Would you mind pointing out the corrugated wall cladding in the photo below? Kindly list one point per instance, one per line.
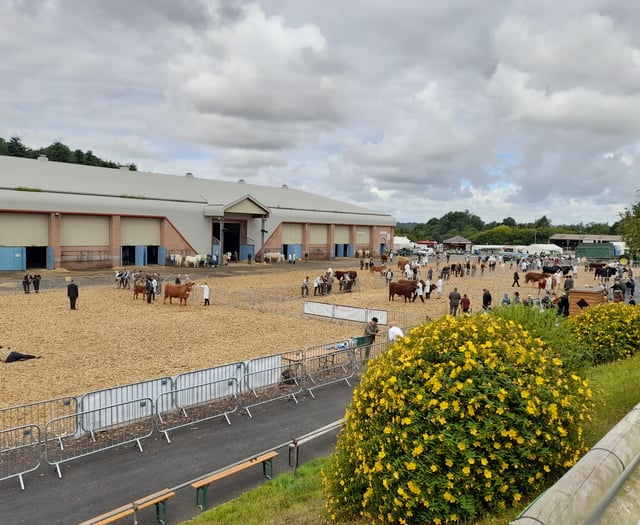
(136, 231)
(318, 234)
(292, 233)
(24, 229)
(85, 230)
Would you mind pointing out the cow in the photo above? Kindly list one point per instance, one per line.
(139, 288)
(555, 269)
(533, 277)
(407, 289)
(382, 269)
(272, 257)
(177, 259)
(402, 263)
(192, 260)
(384, 258)
(353, 274)
(181, 291)
(605, 273)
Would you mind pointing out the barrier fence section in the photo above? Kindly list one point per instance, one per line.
(332, 364)
(102, 428)
(20, 451)
(345, 313)
(123, 394)
(192, 404)
(37, 413)
(270, 378)
(211, 375)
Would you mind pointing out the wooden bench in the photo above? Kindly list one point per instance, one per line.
(202, 485)
(159, 499)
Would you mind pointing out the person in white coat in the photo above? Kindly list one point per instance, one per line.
(205, 294)
(439, 285)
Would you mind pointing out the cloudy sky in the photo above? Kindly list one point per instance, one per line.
(415, 108)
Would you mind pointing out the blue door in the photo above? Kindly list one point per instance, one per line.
(141, 256)
(13, 258)
(49, 257)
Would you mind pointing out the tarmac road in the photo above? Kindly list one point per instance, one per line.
(109, 479)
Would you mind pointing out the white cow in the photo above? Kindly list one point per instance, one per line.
(192, 260)
(177, 259)
(274, 257)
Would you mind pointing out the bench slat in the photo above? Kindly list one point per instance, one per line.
(111, 516)
(152, 499)
(237, 468)
(202, 485)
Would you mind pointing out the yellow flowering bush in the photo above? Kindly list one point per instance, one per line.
(461, 416)
(609, 331)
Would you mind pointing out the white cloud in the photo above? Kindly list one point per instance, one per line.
(513, 108)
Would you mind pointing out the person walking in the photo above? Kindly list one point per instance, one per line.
(305, 286)
(516, 279)
(465, 304)
(26, 283)
(439, 284)
(72, 294)
(454, 302)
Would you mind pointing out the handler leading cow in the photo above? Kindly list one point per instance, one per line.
(180, 291)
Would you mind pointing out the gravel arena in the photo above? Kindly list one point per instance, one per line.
(256, 310)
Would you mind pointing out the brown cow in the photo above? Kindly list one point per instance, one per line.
(181, 291)
(402, 263)
(384, 258)
(139, 288)
(533, 277)
(353, 275)
(407, 289)
(382, 269)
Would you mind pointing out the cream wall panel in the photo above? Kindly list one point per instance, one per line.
(341, 235)
(85, 230)
(291, 233)
(135, 231)
(363, 234)
(318, 234)
(24, 229)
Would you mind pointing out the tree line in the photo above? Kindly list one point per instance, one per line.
(507, 231)
(57, 152)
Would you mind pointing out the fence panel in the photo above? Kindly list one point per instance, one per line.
(362, 352)
(104, 428)
(267, 384)
(211, 375)
(20, 451)
(328, 364)
(195, 404)
(39, 413)
(124, 394)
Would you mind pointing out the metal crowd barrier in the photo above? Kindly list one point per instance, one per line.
(20, 451)
(99, 429)
(37, 413)
(194, 404)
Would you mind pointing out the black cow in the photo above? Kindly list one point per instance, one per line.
(555, 269)
(605, 273)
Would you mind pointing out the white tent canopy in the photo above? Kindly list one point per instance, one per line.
(403, 242)
(541, 248)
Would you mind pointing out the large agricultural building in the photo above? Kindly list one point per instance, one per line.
(59, 215)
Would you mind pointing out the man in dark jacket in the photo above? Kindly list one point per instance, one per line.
(72, 294)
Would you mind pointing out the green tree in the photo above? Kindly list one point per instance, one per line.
(630, 223)
(58, 152)
(16, 148)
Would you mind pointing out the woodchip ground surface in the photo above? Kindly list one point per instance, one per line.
(256, 310)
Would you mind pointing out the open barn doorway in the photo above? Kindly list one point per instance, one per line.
(231, 238)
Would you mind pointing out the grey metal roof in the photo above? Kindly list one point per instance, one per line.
(89, 181)
(585, 237)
